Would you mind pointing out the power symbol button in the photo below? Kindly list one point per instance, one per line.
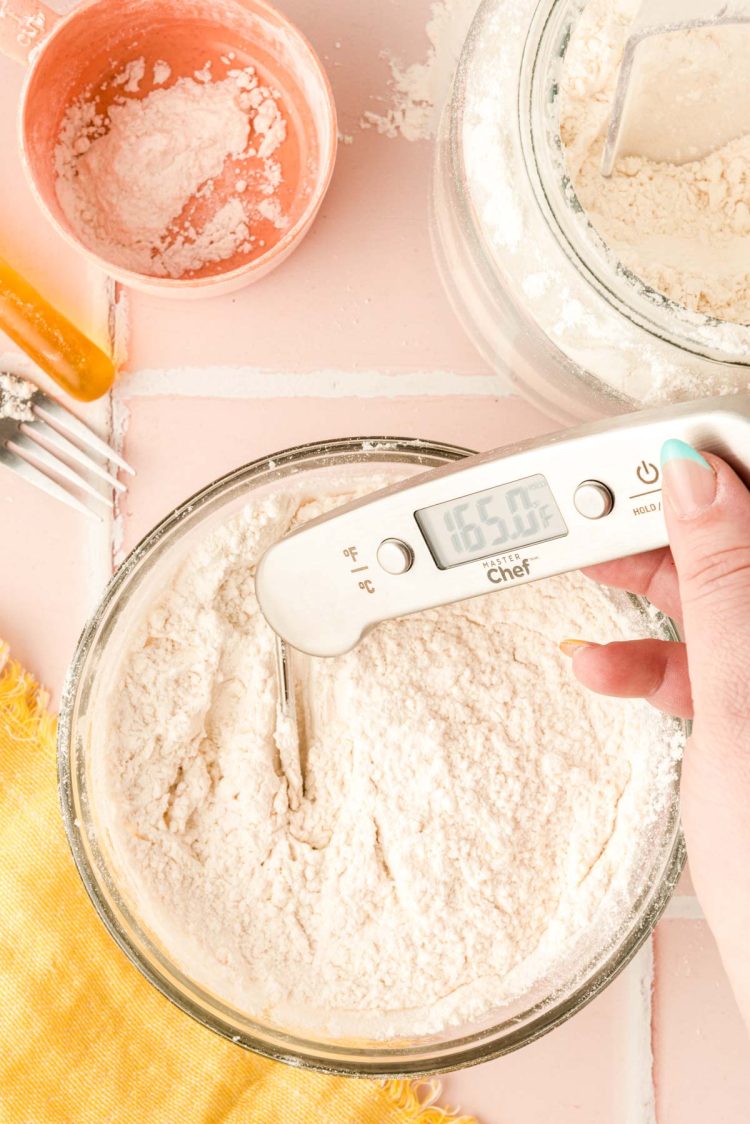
(647, 473)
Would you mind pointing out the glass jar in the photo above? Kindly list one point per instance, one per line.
(597, 958)
(541, 295)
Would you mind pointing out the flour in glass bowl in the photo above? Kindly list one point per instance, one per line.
(140, 181)
(464, 818)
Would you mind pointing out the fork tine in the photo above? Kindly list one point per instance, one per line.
(24, 441)
(40, 480)
(44, 404)
(68, 448)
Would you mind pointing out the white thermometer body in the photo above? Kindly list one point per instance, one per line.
(487, 523)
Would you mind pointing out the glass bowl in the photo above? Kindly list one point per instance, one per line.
(600, 957)
(542, 297)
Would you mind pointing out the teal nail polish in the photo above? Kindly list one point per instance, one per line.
(674, 450)
(689, 482)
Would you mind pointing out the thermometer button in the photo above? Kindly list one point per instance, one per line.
(395, 557)
(593, 499)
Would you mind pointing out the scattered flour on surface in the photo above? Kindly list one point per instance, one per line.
(16, 394)
(421, 88)
(127, 180)
(683, 228)
(464, 817)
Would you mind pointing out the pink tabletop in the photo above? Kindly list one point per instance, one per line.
(352, 335)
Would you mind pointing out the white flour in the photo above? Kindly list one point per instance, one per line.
(16, 395)
(137, 182)
(683, 228)
(419, 89)
(465, 813)
(553, 319)
(162, 72)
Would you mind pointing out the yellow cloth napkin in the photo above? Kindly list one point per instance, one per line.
(84, 1039)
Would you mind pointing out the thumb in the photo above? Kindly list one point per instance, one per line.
(707, 509)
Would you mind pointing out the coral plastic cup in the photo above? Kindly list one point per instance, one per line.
(84, 50)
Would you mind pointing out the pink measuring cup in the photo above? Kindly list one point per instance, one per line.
(82, 51)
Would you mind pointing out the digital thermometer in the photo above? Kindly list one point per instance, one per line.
(486, 523)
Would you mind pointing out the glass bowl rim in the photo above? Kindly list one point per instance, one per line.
(405, 1061)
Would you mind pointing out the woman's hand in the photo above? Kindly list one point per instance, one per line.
(704, 583)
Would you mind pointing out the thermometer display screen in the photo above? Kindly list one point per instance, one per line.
(505, 518)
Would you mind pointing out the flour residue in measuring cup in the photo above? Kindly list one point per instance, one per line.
(682, 228)
(149, 168)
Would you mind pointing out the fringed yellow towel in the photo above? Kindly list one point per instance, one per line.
(83, 1038)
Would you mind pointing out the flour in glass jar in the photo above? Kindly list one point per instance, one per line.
(683, 227)
(464, 818)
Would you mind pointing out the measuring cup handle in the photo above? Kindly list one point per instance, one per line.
(23, 26)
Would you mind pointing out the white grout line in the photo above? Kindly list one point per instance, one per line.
(640, 1094)
(120, 421)
(684, 908)
(98, 558)
(119, 326)
(640, 1091)
(254, 383)
(99, 415)
(97, 543)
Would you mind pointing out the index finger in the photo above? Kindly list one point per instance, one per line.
(652, 575)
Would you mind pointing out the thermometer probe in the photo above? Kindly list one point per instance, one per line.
(486, 523)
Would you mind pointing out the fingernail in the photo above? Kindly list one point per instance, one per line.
(570, 647)
(689, 480)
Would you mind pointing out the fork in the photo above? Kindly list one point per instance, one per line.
(39, 436)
